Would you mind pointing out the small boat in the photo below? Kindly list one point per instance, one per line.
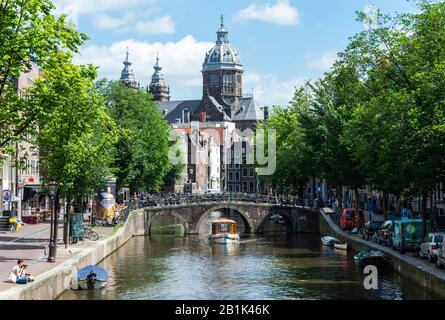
(368, 257)
(341, 246)
(224, 231)
(92, 278)
(329, 241)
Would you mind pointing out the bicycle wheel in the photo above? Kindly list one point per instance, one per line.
(94, 236)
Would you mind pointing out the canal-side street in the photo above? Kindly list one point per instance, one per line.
(30, 244)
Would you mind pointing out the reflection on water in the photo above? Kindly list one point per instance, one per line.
(280, 267)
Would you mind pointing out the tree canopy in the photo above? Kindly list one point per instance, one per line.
(141, 157)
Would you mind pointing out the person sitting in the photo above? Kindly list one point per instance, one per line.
(16, 274)
(91, 279)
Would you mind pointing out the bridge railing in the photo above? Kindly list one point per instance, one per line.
(174, 199)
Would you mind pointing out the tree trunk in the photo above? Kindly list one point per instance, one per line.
(340, 198)
(301, 192)
(314, 188)
(66, 223)
(423, 212)
(385, 206)
(357, 200)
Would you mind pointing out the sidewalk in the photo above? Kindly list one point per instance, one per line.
(420, 271)
(29, 244)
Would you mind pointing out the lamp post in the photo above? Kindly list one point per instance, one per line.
(54, 222)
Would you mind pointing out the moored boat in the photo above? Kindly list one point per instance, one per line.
(369, 257)
(341, 246)
(224, 231)
(92, 278)
(329, 241)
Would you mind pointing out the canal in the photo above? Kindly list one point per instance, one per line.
(273, 267)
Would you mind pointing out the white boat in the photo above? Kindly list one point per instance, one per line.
(341, 246)
(92, 278)
(94, 285)
(224, 231)
(329, 241)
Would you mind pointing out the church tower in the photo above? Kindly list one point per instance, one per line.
(222, 71)
(158, 88)
(127, 74)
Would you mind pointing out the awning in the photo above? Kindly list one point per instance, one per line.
(33, 187)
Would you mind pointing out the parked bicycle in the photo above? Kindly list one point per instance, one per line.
(89, 234)
(13, 225)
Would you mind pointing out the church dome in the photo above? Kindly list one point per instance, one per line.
(222, 55)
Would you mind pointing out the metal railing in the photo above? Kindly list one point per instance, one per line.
(175, 199)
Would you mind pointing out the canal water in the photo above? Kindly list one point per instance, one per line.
(274, 267)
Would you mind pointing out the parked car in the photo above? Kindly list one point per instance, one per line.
(440, 261)
(370, 228)
(350, 219)
(384, 233)
(428, 248)
(407, 234)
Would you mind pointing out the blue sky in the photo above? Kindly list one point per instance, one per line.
(281, 42)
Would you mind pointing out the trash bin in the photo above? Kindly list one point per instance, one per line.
(76, 227)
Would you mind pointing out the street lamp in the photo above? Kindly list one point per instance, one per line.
(52, 186)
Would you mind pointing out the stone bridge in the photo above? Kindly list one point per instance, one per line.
(254, 215)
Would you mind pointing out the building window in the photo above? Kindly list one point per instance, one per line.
(230, 176)
(237, 188)
(214, 79)
(237, 175)
(252, 186)
(252, 172)
(245, 186)
(228, 78)
(230, 188)
(244, 172)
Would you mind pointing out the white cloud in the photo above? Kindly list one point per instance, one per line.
(104, 21)
(164, 24)
(269, 89)
(181, 60)
(324, 61)
(282, 12)
(75, 8)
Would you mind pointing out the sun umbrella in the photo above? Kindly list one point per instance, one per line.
(101, 274)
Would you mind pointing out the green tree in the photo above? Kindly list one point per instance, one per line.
(29, 33)
(77, 137)
(141, 157)
(398, 125)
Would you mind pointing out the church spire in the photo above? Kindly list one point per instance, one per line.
(222, 33)
(158, 88)
(127, 74)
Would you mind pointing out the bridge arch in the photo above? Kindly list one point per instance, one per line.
(153, 216)
(243, 213)
(290, 222)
